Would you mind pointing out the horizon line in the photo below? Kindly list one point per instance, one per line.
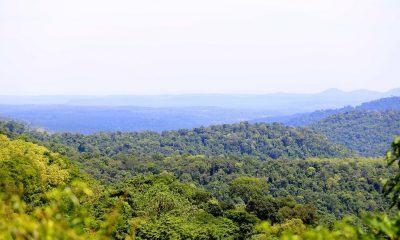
(195, 94)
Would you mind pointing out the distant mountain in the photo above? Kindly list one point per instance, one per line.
(85, 119)
(368, 132)
(281, 103)
(90, 119)
(303, 119)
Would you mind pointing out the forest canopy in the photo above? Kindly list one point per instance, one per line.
(184, 185)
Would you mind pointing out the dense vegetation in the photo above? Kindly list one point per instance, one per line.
(337, 187)
(304, 119)
(390, 103)
(368, 132)
(44, 197)
(366, 129)
(120, 186)
(263, 141)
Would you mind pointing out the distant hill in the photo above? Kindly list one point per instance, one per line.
(264, 141)
(381, 104)
(366, 129)
(90, 119)
(303, 119)
(368, 132)
(86, 119)
(281, 103)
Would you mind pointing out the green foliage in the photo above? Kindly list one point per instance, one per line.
(198, 227)
(307, 213)
(305, 119)
(28, 170)
(384, 226)
(248, 188)
(41, 195)
(163, 208)
(379, 226)
(264, 141)
(150, 207)
(12, 128)
(336, 187)
(292, 226)
(344, 229)
(265, 208)
(368, 132)
(182, 196)
(278, 210)
(392, 186)
(244, 220)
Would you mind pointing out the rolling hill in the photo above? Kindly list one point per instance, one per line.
(303, 119)
(263, 141)
(368, 132)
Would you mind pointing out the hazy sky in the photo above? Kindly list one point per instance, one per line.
(208, 46)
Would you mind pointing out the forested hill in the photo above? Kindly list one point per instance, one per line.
(367, 132)
(259, 140)
(366, 129)
(391, 103)
(303, 119)
(43, 196)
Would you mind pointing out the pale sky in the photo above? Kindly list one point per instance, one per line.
(98, 47)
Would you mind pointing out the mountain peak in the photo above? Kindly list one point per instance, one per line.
(332, 90)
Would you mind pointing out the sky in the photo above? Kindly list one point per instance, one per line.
(99, 47)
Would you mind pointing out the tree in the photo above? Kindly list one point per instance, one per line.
(248, 187)
(392, 186)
